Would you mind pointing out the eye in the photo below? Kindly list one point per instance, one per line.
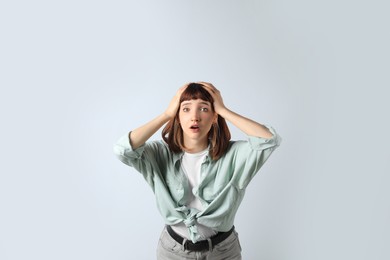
(204, 109)
(186, 109)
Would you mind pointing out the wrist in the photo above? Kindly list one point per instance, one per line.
(166, 116)
(222, 111)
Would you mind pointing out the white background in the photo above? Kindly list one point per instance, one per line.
(76, 75)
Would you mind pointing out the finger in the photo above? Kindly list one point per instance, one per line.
(184, 86)
(206, 84)
(210, 90)
(181, 90)
(209, 87)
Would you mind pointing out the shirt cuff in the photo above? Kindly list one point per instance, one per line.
(261, 143)
(123, 147)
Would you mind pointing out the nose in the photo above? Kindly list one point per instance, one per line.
(195, 116)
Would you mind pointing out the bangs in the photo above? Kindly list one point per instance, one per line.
(196, 91)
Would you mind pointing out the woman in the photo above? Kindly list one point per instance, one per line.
(197, 174)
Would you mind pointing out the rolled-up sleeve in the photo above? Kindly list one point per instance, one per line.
(250, 158)
(260, 143)
(125, 152)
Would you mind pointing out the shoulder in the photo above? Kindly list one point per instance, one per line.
(157, 146)
(237, 144)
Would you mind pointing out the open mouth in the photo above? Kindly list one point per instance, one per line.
(194, 127)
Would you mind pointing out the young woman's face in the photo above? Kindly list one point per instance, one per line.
(196, 118)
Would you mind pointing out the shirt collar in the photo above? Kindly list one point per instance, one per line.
(177, 157)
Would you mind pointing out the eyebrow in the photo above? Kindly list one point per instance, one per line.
(189, 102)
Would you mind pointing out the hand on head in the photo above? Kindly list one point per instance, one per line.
(216, 94)
(175, 102)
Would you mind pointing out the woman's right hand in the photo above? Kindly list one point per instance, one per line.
(175, 102)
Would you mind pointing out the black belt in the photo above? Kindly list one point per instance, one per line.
(200, 245)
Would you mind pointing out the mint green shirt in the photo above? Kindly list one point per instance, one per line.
(222, 182)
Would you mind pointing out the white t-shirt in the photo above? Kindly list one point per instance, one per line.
(191, 164)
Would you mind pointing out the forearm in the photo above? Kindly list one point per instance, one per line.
(140, 135)
(246, 125)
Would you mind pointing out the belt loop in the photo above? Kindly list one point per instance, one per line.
(184, 244)
(210, 244)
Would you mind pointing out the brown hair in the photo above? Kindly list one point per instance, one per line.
(219, 134)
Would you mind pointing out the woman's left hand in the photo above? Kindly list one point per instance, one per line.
(214, 92)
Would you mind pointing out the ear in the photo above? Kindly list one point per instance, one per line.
(215, 119)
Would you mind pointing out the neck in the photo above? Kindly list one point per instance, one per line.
(195, 147)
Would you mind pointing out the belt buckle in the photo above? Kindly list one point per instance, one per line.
(190, 246)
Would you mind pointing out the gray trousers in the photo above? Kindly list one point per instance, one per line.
(169, 249)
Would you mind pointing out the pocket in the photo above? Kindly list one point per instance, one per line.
(230, 244)
(168, 243)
